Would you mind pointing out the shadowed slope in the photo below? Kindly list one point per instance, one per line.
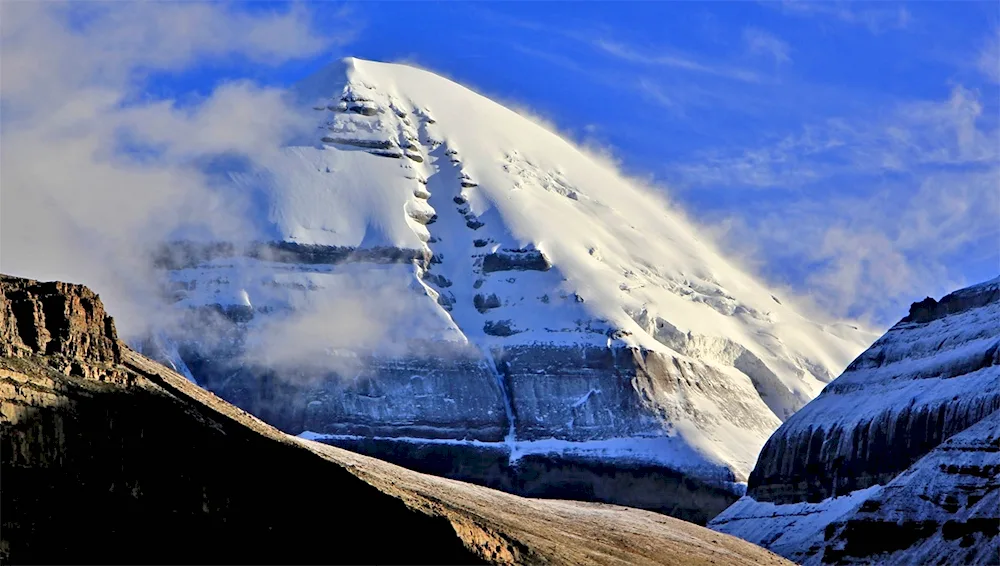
(108, 457)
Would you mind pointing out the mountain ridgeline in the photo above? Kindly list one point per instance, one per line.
(898, 460)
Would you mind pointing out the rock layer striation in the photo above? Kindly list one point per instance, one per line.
(896, 460)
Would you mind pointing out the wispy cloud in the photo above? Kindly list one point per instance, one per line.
(875, 210)
(597, 39)
(875, 17)
(914, 134)
(868, 256)
(554, 58)
(654, 92)
(93, 171)
(672, 60)
(760, 42)
(988, 62)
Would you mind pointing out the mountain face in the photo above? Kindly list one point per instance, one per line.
(110, 458)
(435, 279)
(898, 460)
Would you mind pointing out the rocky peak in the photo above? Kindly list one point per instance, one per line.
(64, 321)
(495, 237)
(960, 301)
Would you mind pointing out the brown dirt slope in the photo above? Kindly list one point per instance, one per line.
(108, 457)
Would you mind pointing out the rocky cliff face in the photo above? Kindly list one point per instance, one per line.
(63, 321)
(943, 509)
(906, 435)
(930, 376)
(108, 457)
(590, 429)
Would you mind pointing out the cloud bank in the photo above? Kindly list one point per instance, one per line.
(93, 170)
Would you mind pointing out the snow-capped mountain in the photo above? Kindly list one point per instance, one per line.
(898, 460)
(432, 267)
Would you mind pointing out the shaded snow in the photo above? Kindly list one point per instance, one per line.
(795, 530)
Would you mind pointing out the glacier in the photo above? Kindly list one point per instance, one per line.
(432, 276)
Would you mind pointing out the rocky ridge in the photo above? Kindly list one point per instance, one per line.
(896, 461)
(108, 457)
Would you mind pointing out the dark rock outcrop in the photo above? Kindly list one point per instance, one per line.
(64, 321)
(516, 260)
(484, 303)
(108, 457)
(503, 327)
(953, 303)
(105, 460)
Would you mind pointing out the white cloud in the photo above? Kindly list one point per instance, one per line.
(909, 242)
(673, 60)
(760, 42)
(989, 58)
(876, 210)
(876, 17)
(869, 257)
(91, 171)
(950, 132)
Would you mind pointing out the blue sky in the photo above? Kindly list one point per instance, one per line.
(849, 151)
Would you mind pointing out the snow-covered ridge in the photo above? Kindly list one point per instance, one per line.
(896, 461)
(945, 508)
(917, 385)
(597, 312)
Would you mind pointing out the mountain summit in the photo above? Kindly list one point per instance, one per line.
(432, 271)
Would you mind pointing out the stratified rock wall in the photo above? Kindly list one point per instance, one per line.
(932, 375)
(588, 394)
(896, 461)
(945, 509)
(56, 319)
(447, 392)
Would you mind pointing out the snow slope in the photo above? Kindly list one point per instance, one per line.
(793, 530)
(595, 311)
